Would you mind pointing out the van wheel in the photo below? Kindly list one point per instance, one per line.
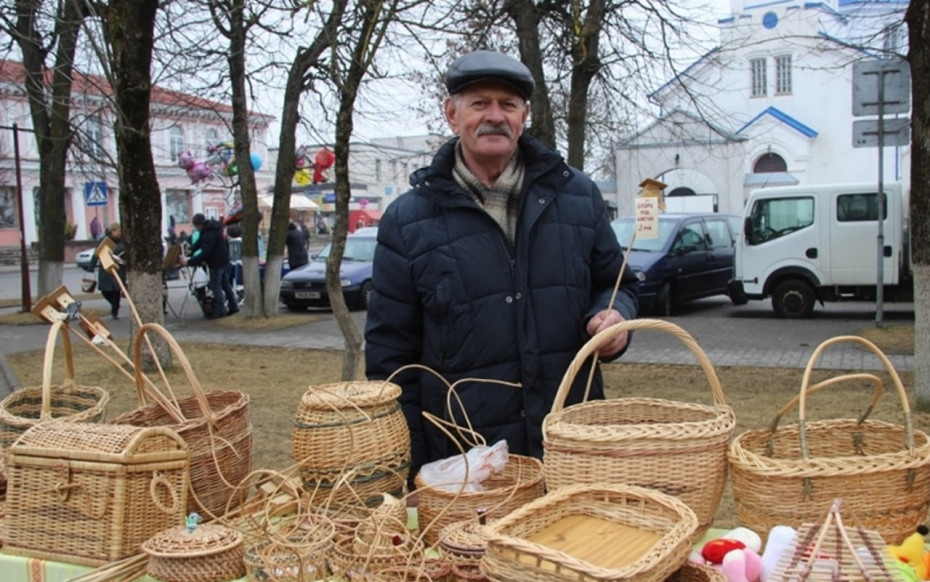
(366, 295)
(663, 306)
(793, 299)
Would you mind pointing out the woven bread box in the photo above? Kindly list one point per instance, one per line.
(352, 442)
(205, 553)
(92, 493)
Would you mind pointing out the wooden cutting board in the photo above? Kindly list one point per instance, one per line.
(597, 541)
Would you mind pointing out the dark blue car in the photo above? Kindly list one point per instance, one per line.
(306, 286)
(691, 258)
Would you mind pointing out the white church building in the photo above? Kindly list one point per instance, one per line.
(770, 105)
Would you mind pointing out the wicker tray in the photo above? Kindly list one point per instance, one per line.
(584, 533)
(205, 553)
(30, 405)
(674, 447)
(215, 425)
(788, 475)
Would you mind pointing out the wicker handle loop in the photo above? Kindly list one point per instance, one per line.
(889, 367)
(169, 404)
(606, 335)
(58, 327)
(865, 377)
(161, 480)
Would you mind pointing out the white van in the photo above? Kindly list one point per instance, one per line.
(802, 244)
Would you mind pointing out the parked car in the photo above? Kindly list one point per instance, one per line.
(306, 286)
(691, 258)
(83, 259)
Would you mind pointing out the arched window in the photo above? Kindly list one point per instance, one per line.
(211, 137)
(769, 163)
(681, 191)
(175, 142)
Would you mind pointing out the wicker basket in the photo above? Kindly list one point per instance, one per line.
(92, 493)
(298, 558)
(691, 572)
(31, 405)
(674, 447)
(788, 475)
(215, 425)
(588, 533)
(352, 442)
(463, 546)
(209, 553)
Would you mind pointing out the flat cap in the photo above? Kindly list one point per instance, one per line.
(482, 65)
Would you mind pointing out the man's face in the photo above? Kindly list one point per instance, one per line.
(489, 116)
(116, 233)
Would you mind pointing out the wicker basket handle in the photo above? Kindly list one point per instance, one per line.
(606, 335)
(889, 367)
(58, 327)
(879, 389)
(168, 403)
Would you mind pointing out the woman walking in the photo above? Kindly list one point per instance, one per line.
(107, 285)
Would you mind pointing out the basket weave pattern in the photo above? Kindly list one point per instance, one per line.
(31, 405)
(675, 447)
(512, 557)
(217, 430)
(92, 493)
(788, 475)
(352, 434)
(211, 553)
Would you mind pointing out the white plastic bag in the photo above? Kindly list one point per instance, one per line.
(449, 474)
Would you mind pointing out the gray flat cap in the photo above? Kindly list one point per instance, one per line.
(482, 65)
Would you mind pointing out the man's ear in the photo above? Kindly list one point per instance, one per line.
(449, 109)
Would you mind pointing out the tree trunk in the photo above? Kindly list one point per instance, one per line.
(526, 16)
(50, 109)
(918, 22)
(586, 63)
(130, 26)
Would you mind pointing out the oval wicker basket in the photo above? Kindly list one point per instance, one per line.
(351, 441)
(209, 553)
(691, 572)
(790, 475)
(30, 405)
(674, 447)
(215, 426)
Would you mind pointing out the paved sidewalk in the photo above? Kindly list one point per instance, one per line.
(729, 335)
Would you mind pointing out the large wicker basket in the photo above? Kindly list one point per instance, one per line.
(215, 426)
(788, 475)
(351, 442)
(68, 401)
(675, 447)
(591, 533)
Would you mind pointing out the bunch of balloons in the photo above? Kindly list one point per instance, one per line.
(220, 161)
(322, 161)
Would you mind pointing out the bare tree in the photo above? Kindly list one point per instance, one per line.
(44, 31)
(918, 23)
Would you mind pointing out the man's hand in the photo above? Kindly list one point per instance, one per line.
(602, 321)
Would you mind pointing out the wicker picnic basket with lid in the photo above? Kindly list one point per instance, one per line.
(675, 447)
(31, 405)
(591, 533)
(351, 441)
(787, 475)
(205, 553)
(92, 493)
(214, 424)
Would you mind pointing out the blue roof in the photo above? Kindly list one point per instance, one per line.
(783, 118)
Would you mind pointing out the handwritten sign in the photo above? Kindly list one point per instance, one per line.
(647, 217)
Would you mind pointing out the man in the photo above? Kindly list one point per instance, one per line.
(297, 255)
(214, 253)
(498, 264)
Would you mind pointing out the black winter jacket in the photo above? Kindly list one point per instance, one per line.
(450, 294)
(214, 251)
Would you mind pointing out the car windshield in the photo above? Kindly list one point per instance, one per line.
(623, 227)
(357, 249)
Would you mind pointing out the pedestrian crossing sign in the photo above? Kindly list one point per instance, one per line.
(95, 193)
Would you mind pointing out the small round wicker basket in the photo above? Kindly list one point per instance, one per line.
(209, 553)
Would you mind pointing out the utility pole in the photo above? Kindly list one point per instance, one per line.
(24, 256)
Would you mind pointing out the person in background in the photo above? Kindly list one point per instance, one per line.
(210, 249)
(499, 264)
(305, 231)
(107, 285)
(95, 228)
(296, 247)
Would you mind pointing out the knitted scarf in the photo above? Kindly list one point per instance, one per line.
(501, 201)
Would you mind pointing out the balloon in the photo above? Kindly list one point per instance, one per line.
(324, 159)
(302, 177)
(256, 161)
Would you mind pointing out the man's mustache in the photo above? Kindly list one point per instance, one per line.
(492, 129)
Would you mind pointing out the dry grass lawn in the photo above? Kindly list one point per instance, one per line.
(275, 378)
